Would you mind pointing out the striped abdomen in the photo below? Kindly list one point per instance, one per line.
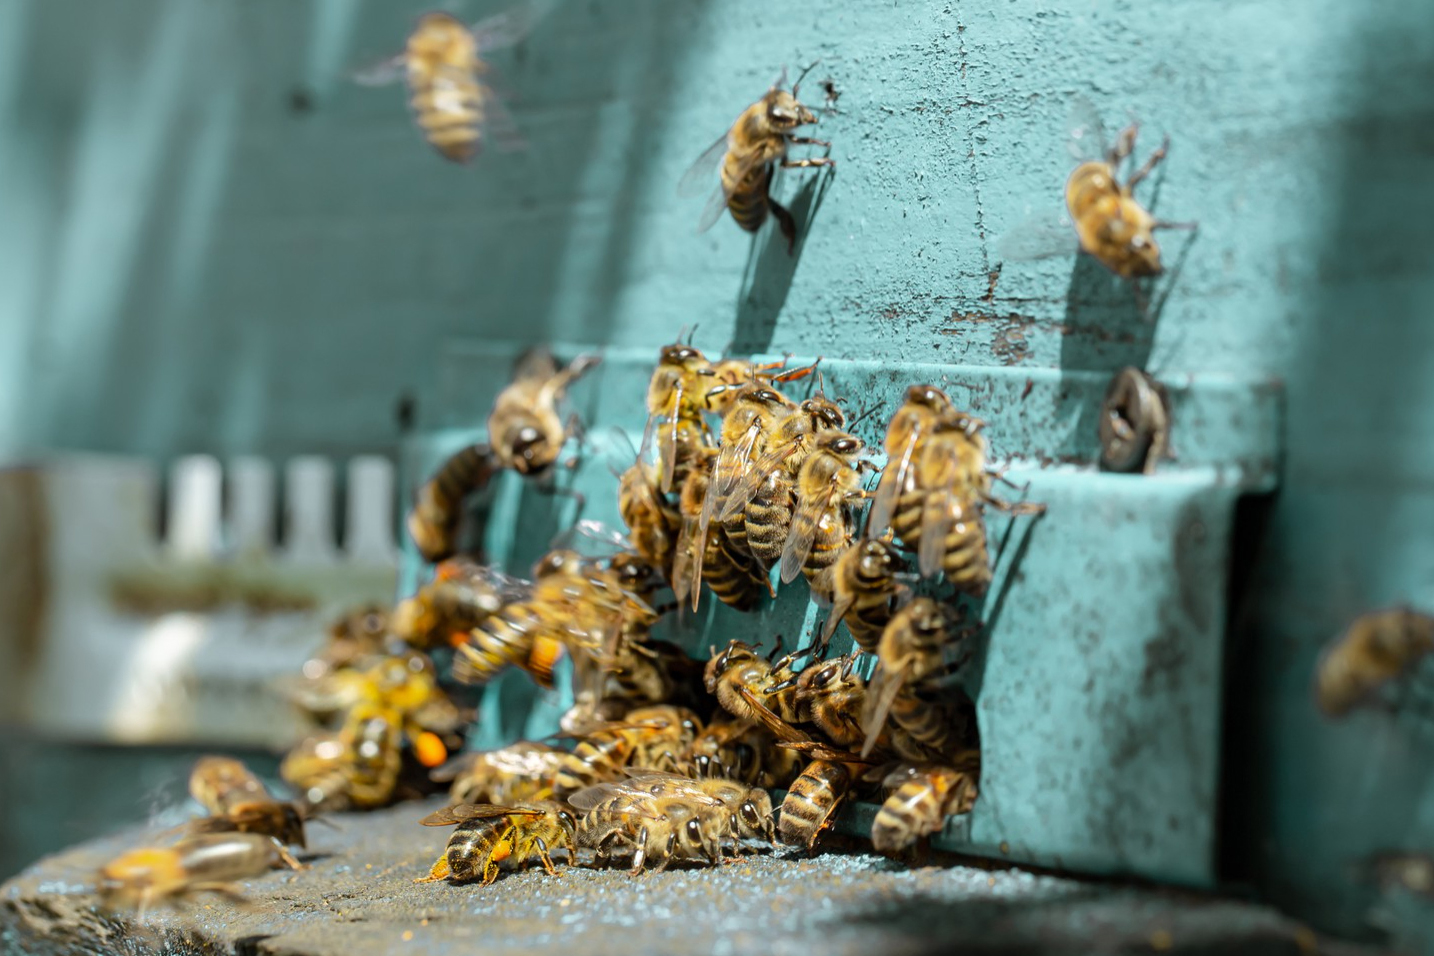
(433, 522)
(372, 740)
(732, 576)
(475, 843)
(811, 801)
(748, 202)
(920, 806)
(964, 559)
(832, 539)
(868, 616)
(596, 758)
(768, 519)
(504, 640)
(447, 100)
(929, 727)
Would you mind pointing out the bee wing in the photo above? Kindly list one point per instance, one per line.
(1085, 133)
(746, 489)
(380, 72)
(511, 26)
(888, 490)
(667, 454)
(683, 561)
(938, 516)
(901, 774)
(803, 534)
(695, 180)
(778, 727)
(840, 605)
(687, 785)
(716, 205)
(448, 816)
(881, 693)
(589, 798)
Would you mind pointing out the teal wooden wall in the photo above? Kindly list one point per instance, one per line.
(211, 240)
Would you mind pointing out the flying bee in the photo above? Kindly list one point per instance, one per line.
(924, 643)
(923, 797)
(661, 828)
(488, 835)
(204, 863)
(433, 523)
(865, 588)
(524, 632)
(443, 66)
(828, 487)
(749, 153)
(522, 772)
(238, 801)
(676, 397)
(525, 426)
(653, 738)
(1375, 649)
(735, 578)
(749, 809)
(921, 408)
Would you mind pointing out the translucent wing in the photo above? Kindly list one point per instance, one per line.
(616, 800)
(716, 205)
(840, 606)
(888, 490)
(803, 533)
(728, 470)
(380, 72)
(1085, 133)
(881, 693)
(747, 488)
(512, 25)
(695, 181)
(778, 727)
(939, 513)
(667, 452)
(498, 124)
(448, 816)
(683, 561)
(656, 782)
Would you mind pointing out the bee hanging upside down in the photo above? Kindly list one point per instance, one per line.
(749, 154)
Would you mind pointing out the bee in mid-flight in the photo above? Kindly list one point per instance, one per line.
(206, 863)
(437, 514)
(749, 153)
(488, 835)
(443, 66)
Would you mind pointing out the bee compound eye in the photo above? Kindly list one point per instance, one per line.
(694, 832)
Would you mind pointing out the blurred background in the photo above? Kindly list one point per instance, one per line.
(228, 275)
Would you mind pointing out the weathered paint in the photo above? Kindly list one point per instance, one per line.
(192, 261)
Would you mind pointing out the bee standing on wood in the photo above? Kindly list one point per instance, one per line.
(749, 153)
(443, 66)
(489, 834)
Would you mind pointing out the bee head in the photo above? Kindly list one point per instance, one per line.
(927, 395)
(785, 111)
(679, 354)
(827, 414)
(877, 558)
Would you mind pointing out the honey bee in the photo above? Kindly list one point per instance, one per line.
(238, 801)
(651, 520)
(462, 595)
(832, 696)
(525, 427)
(518, 773)
(522, 632)
(1372, 651)
(488, 835)
(749, 152)
(442, 64)
(653, 738)
(749, 809)
(672, 826)
(438, 510)
(1110, 223)
(735, 578)
(764, 500)
(923, 797)
(205, 863)
(922, 407)
(739, 671)
(676, 397)
(742, 751)
(828, 487)
(913, 652)
(352, 637)
(865, 588)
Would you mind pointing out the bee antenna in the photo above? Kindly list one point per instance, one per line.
(776, 649)
(864, 414)
(692, 333)
(803, 75)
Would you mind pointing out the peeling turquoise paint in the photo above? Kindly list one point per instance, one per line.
(190, 260)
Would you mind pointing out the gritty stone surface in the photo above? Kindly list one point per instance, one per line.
(358, 897)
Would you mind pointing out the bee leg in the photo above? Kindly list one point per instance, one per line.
(490, 871)
(440, 871)
(1167, 224)
(288, 858)
(807, 141)
(544, 857)
(809, 163)
(1154, 160)
(639, 856)
(785, 222)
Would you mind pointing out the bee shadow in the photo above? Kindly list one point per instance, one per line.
(770, 268)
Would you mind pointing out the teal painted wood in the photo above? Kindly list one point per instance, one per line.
(191, 260)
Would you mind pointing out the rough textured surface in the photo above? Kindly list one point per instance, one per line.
(359, 898)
